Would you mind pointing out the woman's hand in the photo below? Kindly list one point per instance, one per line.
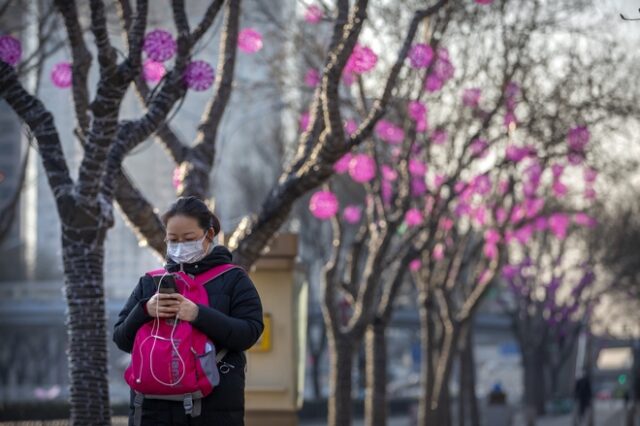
(187, 310)
(163, 305)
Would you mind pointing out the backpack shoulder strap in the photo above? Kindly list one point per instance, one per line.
(155, 272)
(214, 272)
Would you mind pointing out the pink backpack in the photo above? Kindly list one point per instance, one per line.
(172, 360)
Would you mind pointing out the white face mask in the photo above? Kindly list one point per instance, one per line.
(187, 252)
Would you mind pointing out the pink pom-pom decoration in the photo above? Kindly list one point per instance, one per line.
(323, 205)
(471, 97)
(350, 126)
(352, 214)
(198, 75)
(249, 40)
(389, 132)
(10, 50)
(417, 110)
(362, 168)
(558, 224)
(159, 45)
(362, 59)
(311, 78)
(153, 71)
(415, 265)
(62, 75)
(479, 147)
(417, 167)
(388, 173)
(305, 118)
(313, 14)
(413, 217)
(578, 138)
(342, 165)
(420, 55)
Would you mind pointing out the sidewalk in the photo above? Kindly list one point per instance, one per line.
(606, 414)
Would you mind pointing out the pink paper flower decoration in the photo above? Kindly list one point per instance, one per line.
(559, 189)
(557, 170)
(417, 167)
(389, 132)
(439, 137)
(177, 179)
(415, 265)
(584, 219)
(490, 250)
(418, 187)
(10, 50)
(479, 147)
(362, 59)
(342, 165)
(198, 75)
(471, 97)
(62, 75)
(417, 110)
(387, 192)
(438, 180)
(420, 55)
(558, 224)
(249, 40)
(446, 224)
(312, 78)
(578, 138)
(515, 153)
(313, 14)
(347, 77)
(323, 205)
(438, 251)
(352, 214)
(305, 118)
(153, 71)
(433, 83)
(388, 173)
(413, 217)
(350, 126)
(590, 175)
(159, 45)
(362, 168)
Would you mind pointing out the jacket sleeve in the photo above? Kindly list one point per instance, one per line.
(131, 318)
(239, 330)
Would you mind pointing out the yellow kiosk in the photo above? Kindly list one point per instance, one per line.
(275, 375)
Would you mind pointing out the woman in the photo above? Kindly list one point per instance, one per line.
(233, 319)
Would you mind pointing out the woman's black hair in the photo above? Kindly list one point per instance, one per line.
(195, 208)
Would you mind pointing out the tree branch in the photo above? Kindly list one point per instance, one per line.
(40, 121)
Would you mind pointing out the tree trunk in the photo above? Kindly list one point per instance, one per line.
(341, 352)
(86, 320)
(534, 384)
(427, 330)
(468, 408)
(375, 405)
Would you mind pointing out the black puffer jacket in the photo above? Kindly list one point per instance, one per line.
(233, 320)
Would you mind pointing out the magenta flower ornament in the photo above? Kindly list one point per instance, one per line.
(362, 168)
(159, 45)
(250, 40)
(62, 75)
(198, 75)
(153, 71)
(420, 55)
(10, 50)
(323, 205)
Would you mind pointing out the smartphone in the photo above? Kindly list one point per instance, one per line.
(166, 283)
